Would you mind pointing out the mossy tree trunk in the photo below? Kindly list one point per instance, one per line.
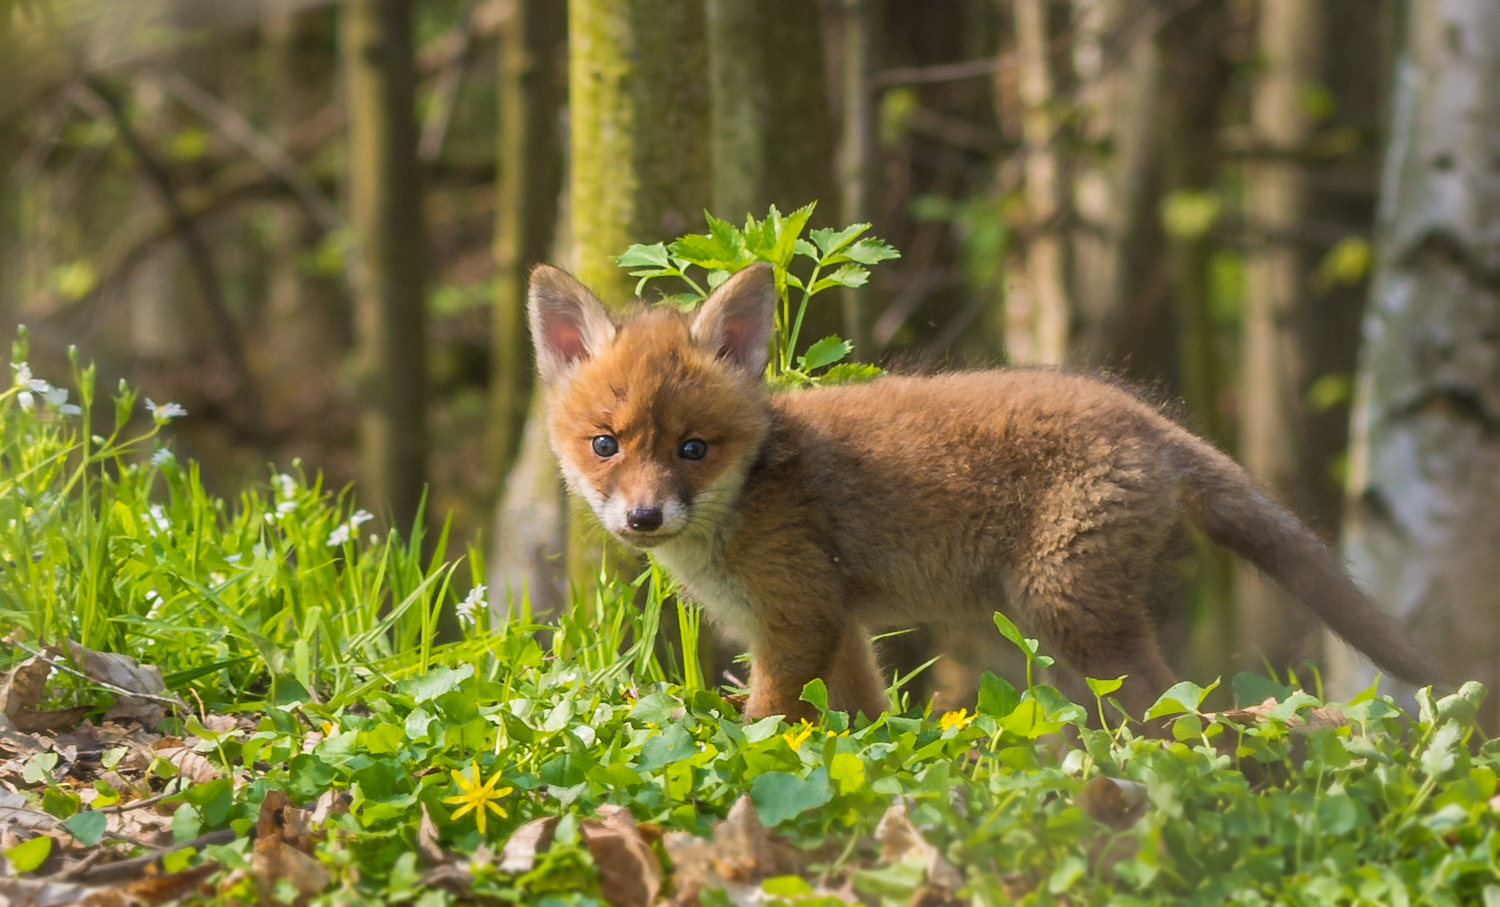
(385, 208)
(1422, 531)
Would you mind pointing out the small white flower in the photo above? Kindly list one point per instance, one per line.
(469, 607)
(286, 486)
(162, 457)
(286, 507)
(339, 536)
(165, 412)
(159, 517)
(272, 517)
(28, 402)
(374, 539)
(155, 599)
(232, 558)
(25, 381)
(359, 518)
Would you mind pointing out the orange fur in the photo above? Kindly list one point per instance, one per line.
(819, 515)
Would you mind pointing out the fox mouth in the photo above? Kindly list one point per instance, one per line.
(638, 539)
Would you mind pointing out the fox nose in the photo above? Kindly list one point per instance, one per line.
(644, 519)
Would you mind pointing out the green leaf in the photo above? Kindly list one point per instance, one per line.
(1102, 688)
(1253, 689)
(997, 698)
(786, 886)
(846, 276)
(1440, 756)
(87, 826)
(1184, 696)
(436, 682)
(850, 373)
(779, 796)
(848, 770)
(28, 855)
(656, 708)
(707, 252)
(871, 251)
(672, 744)
(186, 823)
(1010, 632)
(825, 352)
(816, 692)
(641, 256)
(831, 241)
(788, 230)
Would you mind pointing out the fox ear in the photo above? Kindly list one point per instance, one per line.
(736, 321)
(568, 323)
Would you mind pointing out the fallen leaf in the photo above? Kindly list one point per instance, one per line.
(899, 840)
(1116, 803)
(172, 886)
(123, 673)
(629, 874)
(26, 686)
(39, 893)
(525, 843)
(742, 853)
(189, 764)
(274, 861)
(16, 815)
(428, 847)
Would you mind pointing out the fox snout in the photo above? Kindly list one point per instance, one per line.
(644, 521)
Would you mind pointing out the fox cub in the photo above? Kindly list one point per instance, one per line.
(804, 520)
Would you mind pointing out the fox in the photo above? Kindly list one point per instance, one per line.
(803, 521)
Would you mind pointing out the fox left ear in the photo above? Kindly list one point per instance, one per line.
(568, 323)
(736, 321)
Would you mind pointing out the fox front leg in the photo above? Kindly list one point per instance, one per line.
(785, 661)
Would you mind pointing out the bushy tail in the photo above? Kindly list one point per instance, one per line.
(1229, 506)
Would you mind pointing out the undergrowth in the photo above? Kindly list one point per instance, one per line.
(281, 611)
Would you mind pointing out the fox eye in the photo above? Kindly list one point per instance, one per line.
(605, 446)
(693, 449)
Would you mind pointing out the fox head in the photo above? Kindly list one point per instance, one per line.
(656, 417)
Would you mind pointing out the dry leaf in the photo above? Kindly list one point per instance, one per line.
(741, 854)
(189, 764)
(16, 815)
(525, 843)
(1116, 803)
(274, 861)
(899, 839)
(123, 673)
(24, 687)
(629, 874)
(37, 893)
(173, 886)
(1324, 716)
(428, 847)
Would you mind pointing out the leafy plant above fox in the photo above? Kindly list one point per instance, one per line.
(840, 258)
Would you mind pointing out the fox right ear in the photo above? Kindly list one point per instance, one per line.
(737, 319)
(568, 323)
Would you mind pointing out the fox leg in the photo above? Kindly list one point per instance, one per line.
(786, 660)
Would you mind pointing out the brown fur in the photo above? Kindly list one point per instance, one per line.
(820, 515)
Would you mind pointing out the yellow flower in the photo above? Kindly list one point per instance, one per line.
(959, 719)
(476, 797)
(795, 738)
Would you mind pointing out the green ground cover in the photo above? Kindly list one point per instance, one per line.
(309, 740)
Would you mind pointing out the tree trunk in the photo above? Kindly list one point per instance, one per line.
(1046, 285)
(639, 114)
(385, 208)
(1275, 365)
(1423, 527)
(638, 107)
(1123, 320)
(533, 49)
(857, 146)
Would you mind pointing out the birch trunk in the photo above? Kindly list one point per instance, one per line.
(385, 208)
(1274, 426)
(1423, 528)
(856, 145)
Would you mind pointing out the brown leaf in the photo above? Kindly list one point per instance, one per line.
(40, 893)
(123, 673)
(189, 764)
(1116, 803)
(24, 687)
(172, 886)
(741, 854)
(629, 874)
(525, 843)
(15, 814)
(274, 860)
(899, 840)
(428, 848)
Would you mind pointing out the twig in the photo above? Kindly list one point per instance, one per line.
(169, 700)
(138, 804)
(128, 869)
(198, 253)
(445, 90)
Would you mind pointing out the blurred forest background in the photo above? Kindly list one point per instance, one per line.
(310, 223)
